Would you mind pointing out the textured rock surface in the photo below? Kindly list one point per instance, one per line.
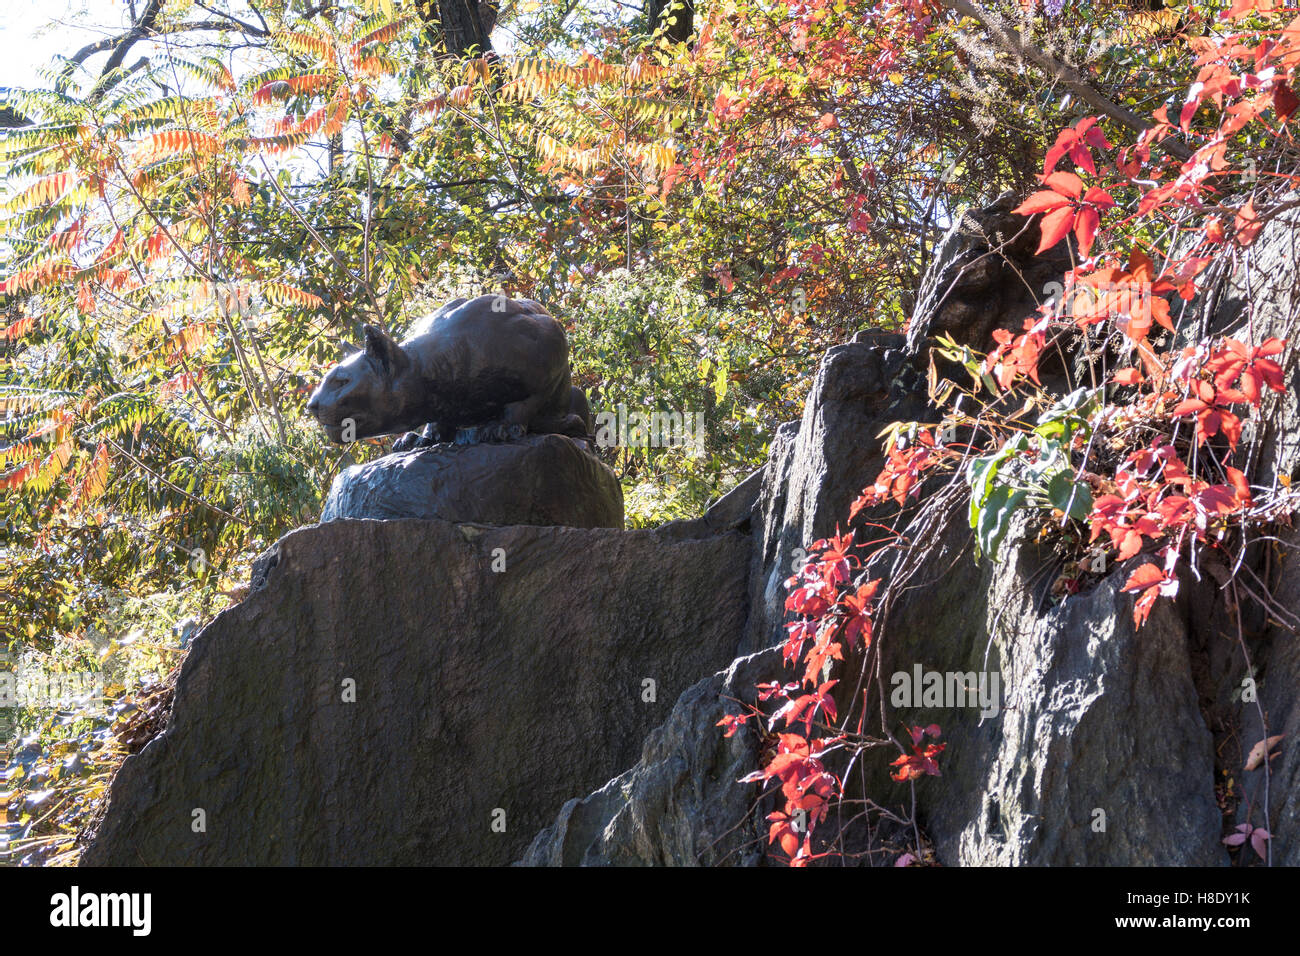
(818, 466)
(1277, 662)
(984, 276)
(679, 806)
(1082, 690)
(1259, 298)
(475, 691)
(538, 480)
(1071, 742)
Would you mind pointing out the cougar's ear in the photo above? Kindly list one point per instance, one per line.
(384, 350)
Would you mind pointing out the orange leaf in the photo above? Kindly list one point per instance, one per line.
(1247, 223)
(1144, 577)
(1043, 201)
(1055, 226)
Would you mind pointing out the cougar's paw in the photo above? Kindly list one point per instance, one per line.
(407, 442)
(575, 426)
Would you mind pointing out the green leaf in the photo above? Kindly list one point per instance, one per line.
(1075, 499)
(995, 518)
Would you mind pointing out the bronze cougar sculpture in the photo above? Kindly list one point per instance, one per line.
(485, 369)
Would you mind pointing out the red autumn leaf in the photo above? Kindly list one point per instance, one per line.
(1144, 577)
(819, 655)
(858, 606)
(1042, 201)
(1230, 426)
(1067, 184)
(782, 830)
(920, 733)
(1247, 223)
(1244, 8)
(1075, 142)
(1143, 605)
(1104, 512)
(1240, 486)
(1127, 541)
(1174, 509)
(733, 722)
(922, 760)
(1153, 582)
(806, 706)
(1061, 213)
(1285, 101)
(1085, 227)
(1098, 197)
(1235, 363)
(1016, 355)
(1056, 225)
(809, 600)
(1128, 376)
(1216, 500)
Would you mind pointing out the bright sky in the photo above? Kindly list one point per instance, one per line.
(34, 31)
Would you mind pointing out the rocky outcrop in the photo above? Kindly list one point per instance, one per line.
(1062, 769)
(818, 466)
(1069, 750)
(418, 692)
(538, 480)
(519, 695)
(1257, 296)
(1107, 745)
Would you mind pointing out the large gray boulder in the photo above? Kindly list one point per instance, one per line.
(496, 672)
(539, 480)
(1095, 751)
(1075, 733)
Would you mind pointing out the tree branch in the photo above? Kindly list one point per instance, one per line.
(147, 27)
(1013, 41)
(243, 27)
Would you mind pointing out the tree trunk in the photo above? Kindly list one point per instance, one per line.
(681, 12)
(463, 25)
